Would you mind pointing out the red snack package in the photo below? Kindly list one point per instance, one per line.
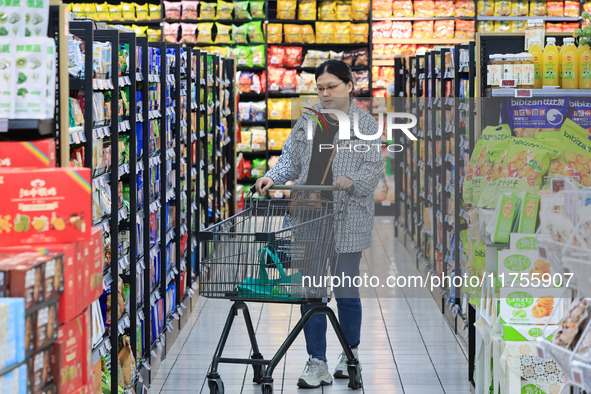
(290, 81)
(276, 55)
(293, 57)
(275, 78)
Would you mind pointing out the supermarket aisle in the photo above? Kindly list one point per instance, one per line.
(406, 346)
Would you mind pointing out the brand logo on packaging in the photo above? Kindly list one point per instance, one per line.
(528, 243)
(517, 262)
(317, 118)
(554, 117)
(38, 189)
(535, 332)
(479, 253)
(519, 300)
(5, 162)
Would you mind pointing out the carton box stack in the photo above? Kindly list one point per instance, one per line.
(51, 267)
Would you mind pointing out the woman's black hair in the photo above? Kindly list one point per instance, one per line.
(338, 68)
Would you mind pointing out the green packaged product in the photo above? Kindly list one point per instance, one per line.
(240, 34)
(255, 32)
(241, 10)
(258, 56)
(257, 9)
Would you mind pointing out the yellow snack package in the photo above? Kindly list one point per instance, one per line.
(155, 11)
(128, 11)
(292, 33)
(341, 32)
(308, 34)
(223, 34)
(286, 9)
(486, 26)
(520, 8)
(225, 10)
(360, 10)
(359, 33)
(327, 10)
(154, 34)
(307, 10)
(142, 12)
(538, 8)
(343, 11)
(503, 7)
(485, 7)
(274, 33)
(502, 26)
(207, 10)
(115, 13)
(325, 33)
(204, 35)
(277, 108)
(89, 11)
(102, 12)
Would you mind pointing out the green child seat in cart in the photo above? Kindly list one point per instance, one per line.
(287, 287)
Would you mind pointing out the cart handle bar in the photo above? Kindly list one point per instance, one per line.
(319, 188)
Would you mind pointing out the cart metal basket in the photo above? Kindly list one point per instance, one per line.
(274, 251)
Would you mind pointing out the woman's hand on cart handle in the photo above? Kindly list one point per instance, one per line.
(263, 184)
(343, 183)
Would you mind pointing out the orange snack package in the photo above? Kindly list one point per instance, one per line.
(424, 8)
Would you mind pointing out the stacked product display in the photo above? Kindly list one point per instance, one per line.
(104, 250)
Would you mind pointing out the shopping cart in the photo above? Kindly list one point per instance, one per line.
(274, 251)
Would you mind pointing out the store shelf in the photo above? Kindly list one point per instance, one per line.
(383, 62)
(142, 23)
(299, 21)
(525, 18)
(426, 41)
(524, 93)
(41, 126)
(432, 18)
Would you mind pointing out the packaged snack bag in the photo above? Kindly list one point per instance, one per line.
(424, 8)
(520, 8)
(325, 33)
(381, 8)
(286, 9)
(255, 32)
(580, 112)
(276, 109)
(571, 9)
(292, 33)
(402, 29)
(306, 82)
(503, 7)
(224, 10)
(293, 57)
(361, 80)
(116, 15)
(188, 33)
(359, 33)
(444, 29)
(308, 34)
(155, 11)
(382, 29)
(207, 10)
(531, 305)
(486, 26)
(570, 27)
(102, 12)
(223, 34)
(153, 34)
(171, 32)
(556, 8)
(361, 57)
(464, 29)
(503, 26)
(327, 10)
(553, 27)
(190, 10)
(444, 8)
(343, 11)
(259, 139)
(276, 55)
(258, 56)
(307, 10)
(527, 116)
(274, 33)
(423, 29)
(575, 159)
(257, 9)
(243, 56)
(538, 8)
(502, 220)
(241, 10)
(360, 10)
(485, 7)
(465, 8)
(172, 9)
(528, 213)
(290, 81)
(275, 77)
(204, 35)
(245, 134)
(341, 32)
(240, 34)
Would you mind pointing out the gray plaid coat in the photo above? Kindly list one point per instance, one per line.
(353, 233)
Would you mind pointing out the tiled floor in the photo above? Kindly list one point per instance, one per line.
(406, 346)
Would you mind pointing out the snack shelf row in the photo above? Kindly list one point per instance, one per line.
(436, 88)
(165, 169)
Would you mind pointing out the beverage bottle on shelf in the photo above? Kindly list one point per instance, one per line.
(528, 73)
(584, 67)
(551, 67)
(508, 66)
(494, 71)
(569, 64)
(538, 57)
(518, 70)
(534, 31)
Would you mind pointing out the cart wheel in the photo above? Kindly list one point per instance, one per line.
(216, 386)
(267, 388)
(354, 377)
(258, 373)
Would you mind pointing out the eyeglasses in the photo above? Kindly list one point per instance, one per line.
(330, 88)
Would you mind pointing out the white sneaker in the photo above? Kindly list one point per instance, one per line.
(315, 374)
(341, 371)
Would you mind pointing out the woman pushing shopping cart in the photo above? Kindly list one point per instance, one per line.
(273, 250)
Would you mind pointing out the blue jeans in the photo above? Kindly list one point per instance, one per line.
(349, 310)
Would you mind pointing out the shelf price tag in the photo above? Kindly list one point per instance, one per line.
(521, 93)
